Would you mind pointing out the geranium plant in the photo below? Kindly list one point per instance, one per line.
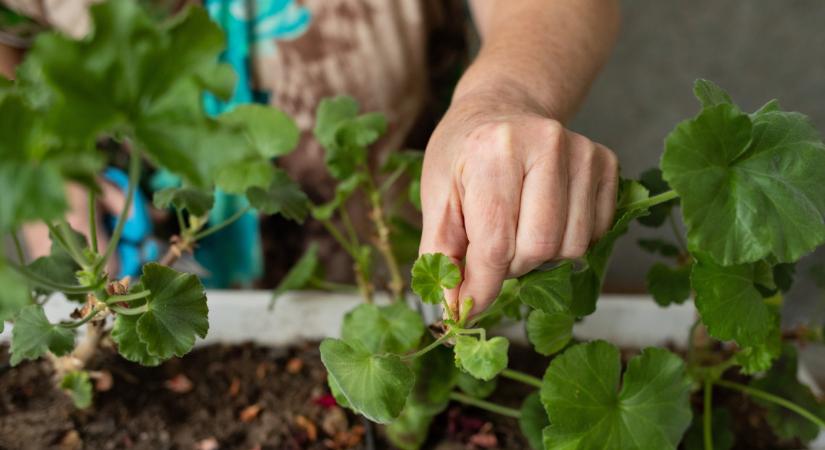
(138, 84)
(749, 187)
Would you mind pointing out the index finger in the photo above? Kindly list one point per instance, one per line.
(491, 208)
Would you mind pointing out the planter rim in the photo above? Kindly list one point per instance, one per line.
(237, 316)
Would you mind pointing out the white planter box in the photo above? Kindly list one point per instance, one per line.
(242, 316)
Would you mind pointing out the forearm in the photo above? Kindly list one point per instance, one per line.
(540, 54)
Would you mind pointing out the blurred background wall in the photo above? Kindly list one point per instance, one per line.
(755, 49)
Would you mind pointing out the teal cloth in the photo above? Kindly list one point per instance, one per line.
(233, 255)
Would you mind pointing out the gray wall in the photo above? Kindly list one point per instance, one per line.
(756, 49)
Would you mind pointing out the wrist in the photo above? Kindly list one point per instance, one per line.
(501, 92)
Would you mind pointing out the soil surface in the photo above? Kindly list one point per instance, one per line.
(217, 397)
(256, 398)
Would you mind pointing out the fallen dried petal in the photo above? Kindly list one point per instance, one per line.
(103, 380)
(334, 421)
(294, 365)
(209, 443)
(235, 387)
(308, 426)
(249, 413)
(179, 384)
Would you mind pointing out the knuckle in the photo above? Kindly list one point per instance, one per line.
(538, 251)
(553, 131)
(611, 161)
(498, 252)
(575, 249)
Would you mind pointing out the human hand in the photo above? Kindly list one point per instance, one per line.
(506, 189)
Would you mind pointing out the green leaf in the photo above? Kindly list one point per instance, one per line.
(344, 135)
(435, 376)
(760, 357)
(33, 336)
(652, 180)
(30, 192)
(750, 187)
(660, 246)
(125, 334)
(668, 285)
(630, 192)
(710, 94)
(375, 386)
(721, 427)
(331, 114)
(59, 266)
(587, 282)
(14, 293)
(387, 329)
(475, 387)
(549, 333)
(481, 359)
(431, 274)
(283, 196)
(549, 291)
(782, 381)
(240, 176)
(197, 201)
(730, 305)
(77, 384)
(533, 420)
(271, 132)
(410, 430)
(300, 274)
(176, 314)
(589, 407)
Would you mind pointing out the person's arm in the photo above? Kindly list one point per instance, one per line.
(505, 186)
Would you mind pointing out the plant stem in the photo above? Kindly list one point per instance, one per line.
(391, 179)
(479, 331)
(707, 423)
(360, 275)
(758, 393)
(521, 377)
(129, 311)
(652, 201)
(21, 258)
(426, 349)
(128, 297)
(181, 222)
(80, 322)
(679, 238)
(336, 234)
(18, 247)
(383, 244)
(215, 228)
(92, 221)
(489, 406)
(353, 236)
(134, 172)
(692, 341)
(48, 284)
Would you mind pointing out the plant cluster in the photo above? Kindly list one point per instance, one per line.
(138, 84)
(749, 189)
(748, 186)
